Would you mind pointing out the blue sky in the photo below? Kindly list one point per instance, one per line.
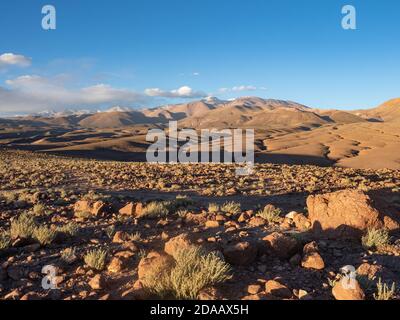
(113, 52)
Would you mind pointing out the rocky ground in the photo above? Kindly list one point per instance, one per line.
(115, 230)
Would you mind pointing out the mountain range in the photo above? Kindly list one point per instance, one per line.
(285, 131)
(249, 112)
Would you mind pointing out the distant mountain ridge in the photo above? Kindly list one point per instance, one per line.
(211, 112)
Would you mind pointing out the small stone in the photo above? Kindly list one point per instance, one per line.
(277, 289)
(254, 288)
(212, 224)
(311, 257)
(121, 237)
(348, 290)
(97, 282)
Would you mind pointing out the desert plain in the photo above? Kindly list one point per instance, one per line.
(84, 216)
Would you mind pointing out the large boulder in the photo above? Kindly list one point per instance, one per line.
(343, 214)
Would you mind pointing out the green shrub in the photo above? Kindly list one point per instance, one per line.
(23, 227)
(96, 259)
(383, 291)
(155, 210)
(270, 213)
(213, 208)
(194, 270)
(5, 239)
(231, 207)
(39, 209)
(69, 255)
(375, 238)
(71, 228)
(44, 235)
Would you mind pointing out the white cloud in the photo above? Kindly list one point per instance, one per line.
(11, 59)
(182, 92)
(241, 88)
(31, 93)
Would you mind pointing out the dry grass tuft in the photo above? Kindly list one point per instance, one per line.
(194, 270)
(96, 259)
(375, 238)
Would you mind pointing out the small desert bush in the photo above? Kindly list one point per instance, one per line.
(182, 201)
(231, 207)
(155, 210)
(270, 213)
(71, 228)
(96, 259)
(110, 231)
(213, 208)
(44, 235)
(194, 270)
(375, 238)
(136, 236)
(83, 214)
(39, 209)
(5, 239)
(23, 226)
(182, 213)
(383, 292)
(68, 255)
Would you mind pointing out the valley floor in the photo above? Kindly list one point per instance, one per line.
(71, 207)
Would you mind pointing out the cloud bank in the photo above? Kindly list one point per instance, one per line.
(33, 93)
(11, 59)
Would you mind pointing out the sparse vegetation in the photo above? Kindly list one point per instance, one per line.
(270, 214)
(193, 271)
(71, 228)
(5, 239)
(231, 207)
(383, 292)
(136, 236)
(68, 255)
(110, 231)
(96, 259)
(44, 235)
(213, 208)
(39, 209)
(23, 227)
(155, 210)
(375, 238)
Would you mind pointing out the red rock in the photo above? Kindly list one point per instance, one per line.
(97, 282)
(257, 222)
(277, 289)
(128, 210)
(121, 237)
(342, 214)
(242, 253)
(311, 257)
(174, 245)
(347, 291)
(94, 208)
(280, 245)
(212, 224)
